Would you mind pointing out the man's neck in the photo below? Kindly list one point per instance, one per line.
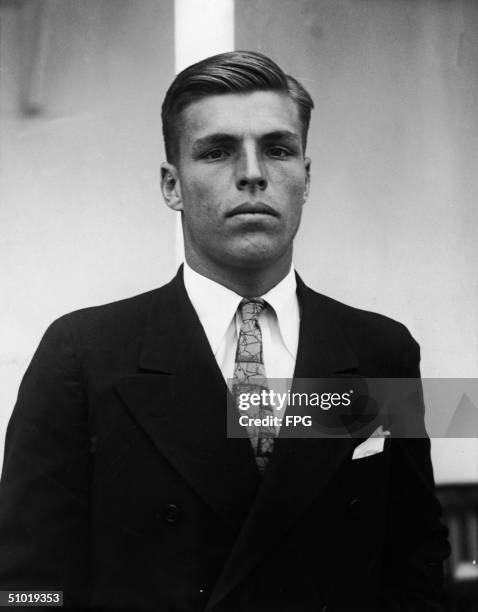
(247, 282)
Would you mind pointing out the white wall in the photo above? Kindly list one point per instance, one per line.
(82, 220)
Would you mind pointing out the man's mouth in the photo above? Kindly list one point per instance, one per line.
(253, 208)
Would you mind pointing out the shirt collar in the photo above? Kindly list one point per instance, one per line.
(283, 299)
(216, 306)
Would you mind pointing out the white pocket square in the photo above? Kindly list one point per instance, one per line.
(372, 445)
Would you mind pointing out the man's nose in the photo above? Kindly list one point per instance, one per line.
(250, 172)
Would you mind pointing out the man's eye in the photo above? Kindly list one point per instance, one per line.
(280, 152)
(215, 154)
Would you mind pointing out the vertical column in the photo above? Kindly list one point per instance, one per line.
(201, 28)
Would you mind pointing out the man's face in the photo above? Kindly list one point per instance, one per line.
(240, 179)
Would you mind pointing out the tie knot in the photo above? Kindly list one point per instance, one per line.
(251, 309)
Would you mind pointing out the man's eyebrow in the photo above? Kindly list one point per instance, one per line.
(213, 139)
(282, 135)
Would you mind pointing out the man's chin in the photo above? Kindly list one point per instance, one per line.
(253, 257)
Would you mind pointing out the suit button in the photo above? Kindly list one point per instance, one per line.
(355, 508)
(172, 513)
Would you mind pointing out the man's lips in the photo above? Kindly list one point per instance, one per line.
(249, 208)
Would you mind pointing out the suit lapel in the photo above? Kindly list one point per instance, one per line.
(179, 398)
(299, 468)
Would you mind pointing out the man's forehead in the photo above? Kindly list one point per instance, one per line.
(256, 113)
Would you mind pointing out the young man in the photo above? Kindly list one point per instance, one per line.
(120, 485)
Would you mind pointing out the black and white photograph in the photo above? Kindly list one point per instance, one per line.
(239, 305)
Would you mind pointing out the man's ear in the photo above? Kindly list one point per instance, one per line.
(307, 163)
(171, 186)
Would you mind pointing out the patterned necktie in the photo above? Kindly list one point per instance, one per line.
(249, 377)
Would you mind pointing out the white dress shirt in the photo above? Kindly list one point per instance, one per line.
(217, 309)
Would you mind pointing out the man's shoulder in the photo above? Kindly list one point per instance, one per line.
(362, 326)
(118, 319)
(361, 318)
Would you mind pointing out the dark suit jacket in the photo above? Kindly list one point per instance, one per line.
(121, 488)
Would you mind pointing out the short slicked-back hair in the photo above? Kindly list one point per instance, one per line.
(233, 72)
